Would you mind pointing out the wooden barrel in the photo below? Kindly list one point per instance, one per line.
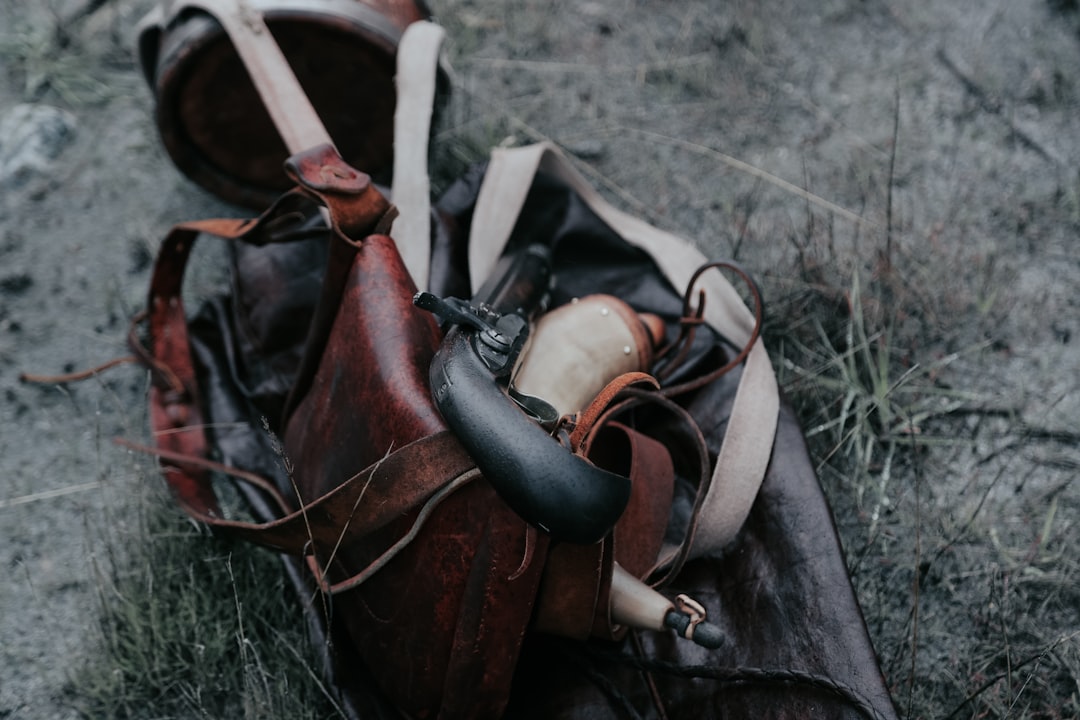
(212, 120)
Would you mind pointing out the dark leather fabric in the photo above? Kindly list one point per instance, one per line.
(796, 643)
(783, 599)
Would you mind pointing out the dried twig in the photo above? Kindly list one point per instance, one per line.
(749, 169)
(49, 494)
(994, 106)
(1034, 657)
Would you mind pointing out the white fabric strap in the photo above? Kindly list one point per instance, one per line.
(417, 69)
(747, 446)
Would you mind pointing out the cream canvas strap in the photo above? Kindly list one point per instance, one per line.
(747, 445)
(417, 73)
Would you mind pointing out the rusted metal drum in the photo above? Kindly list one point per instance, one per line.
(211, 118)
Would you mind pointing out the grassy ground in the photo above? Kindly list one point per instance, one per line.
(902, 179)
(192, 625)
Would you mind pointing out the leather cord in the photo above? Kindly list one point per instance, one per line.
(693, 317)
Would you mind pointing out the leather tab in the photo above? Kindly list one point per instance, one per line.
(321, 169)
(356, 206)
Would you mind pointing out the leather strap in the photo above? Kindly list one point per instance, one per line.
(371, 499)
(586, 420)
(670, 556)
(574, 598)
(694, 316)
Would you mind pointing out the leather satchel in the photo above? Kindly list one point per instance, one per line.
(452, 604)
(310, 382)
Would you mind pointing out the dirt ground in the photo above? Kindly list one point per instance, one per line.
(905, 176)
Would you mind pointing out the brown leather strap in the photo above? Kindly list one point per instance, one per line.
(639, 535)
(369, 500)
(670, 557)
(587, 418)
(175, 417)
(445, 489)
(695, 318)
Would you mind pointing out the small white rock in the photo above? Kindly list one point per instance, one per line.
(31, 138)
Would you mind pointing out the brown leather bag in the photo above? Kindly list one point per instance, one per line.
(436, 584)
(381, 483)
(374, 426)
(310, 382)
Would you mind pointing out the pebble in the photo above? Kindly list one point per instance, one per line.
(588, 149)
(32, 136)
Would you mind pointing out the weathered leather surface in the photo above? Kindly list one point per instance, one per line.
(362, 447)
(464, 588)
(797, 644)
(783, 598)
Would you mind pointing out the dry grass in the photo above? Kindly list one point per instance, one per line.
(193, 625)
(49, 60)
(967, 583)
